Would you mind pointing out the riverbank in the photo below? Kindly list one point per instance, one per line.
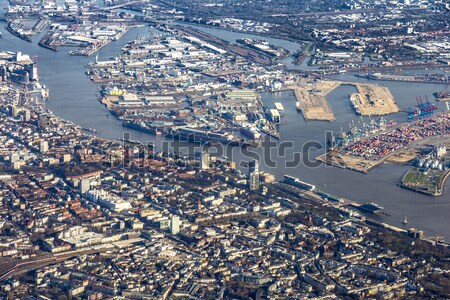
(436, 79)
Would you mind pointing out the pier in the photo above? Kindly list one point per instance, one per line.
(416, 78)
(314, 105)
(373, 100)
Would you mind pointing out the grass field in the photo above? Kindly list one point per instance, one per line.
(415, 177)
(428, 181)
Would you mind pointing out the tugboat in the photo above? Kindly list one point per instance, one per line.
(298, 107)
(405, 221)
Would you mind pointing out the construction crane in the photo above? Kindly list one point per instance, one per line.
(35, 60)
(24, 97)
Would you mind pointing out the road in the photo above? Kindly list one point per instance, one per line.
(120, 5)
(337, 13)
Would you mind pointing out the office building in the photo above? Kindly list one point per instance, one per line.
(253, 173)
(175, 225)
(85, 185)
(205, 160)
(43, 146)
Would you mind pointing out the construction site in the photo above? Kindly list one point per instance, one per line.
(313, 104)
(337, 159)
(371, 100)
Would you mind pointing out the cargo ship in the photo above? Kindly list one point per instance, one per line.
(198, 135)
(250, 132)
(372, 208)
(90, 130)
(298, 183)
(423, 78)
(330, 197)
(270, 132)
(141, 126)
(263, 46)
(442, 96)
(129, 141)
(354, 103)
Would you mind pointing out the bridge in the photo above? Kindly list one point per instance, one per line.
(120, 5)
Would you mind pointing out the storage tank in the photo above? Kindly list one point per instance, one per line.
(420, 163)
(435, 164)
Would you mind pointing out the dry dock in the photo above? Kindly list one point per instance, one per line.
(373, 100)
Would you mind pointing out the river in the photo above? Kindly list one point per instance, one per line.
(73, 97)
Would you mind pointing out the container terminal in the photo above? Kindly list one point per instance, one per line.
(361, 150)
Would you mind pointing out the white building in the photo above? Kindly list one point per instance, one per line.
(175, 225)
(205, 160)
(85, 185)
(79, 237)
(109, 201)
(43, 147)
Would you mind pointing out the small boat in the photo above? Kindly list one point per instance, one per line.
(405, 221)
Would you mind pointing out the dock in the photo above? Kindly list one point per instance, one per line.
(358, 164)
(370, 100)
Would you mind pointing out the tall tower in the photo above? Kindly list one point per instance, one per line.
(253, 166)
(205, 160)
(254, 181)
(253, 173)
(43, 121)
(85, 185)
(175, 225)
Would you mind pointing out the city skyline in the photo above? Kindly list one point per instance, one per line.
(192, 150)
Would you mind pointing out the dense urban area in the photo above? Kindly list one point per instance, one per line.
(84, 217)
